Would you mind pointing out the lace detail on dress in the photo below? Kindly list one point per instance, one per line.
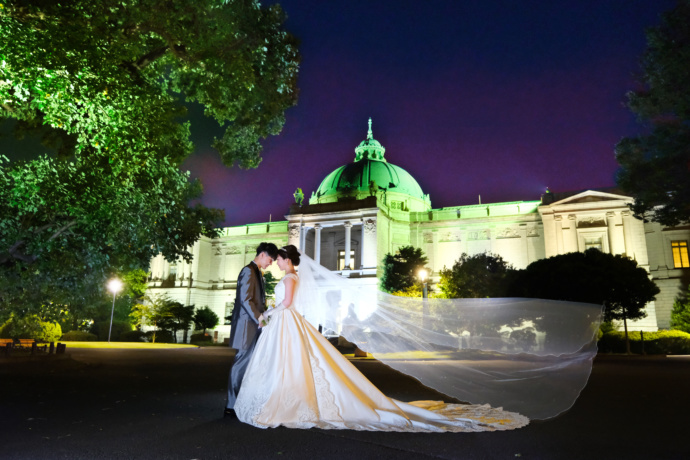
(325, 399)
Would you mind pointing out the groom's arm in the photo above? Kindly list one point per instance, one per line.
(250, 293)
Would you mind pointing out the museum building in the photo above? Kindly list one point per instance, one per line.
(370, 207)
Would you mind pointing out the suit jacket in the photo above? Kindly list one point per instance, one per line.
(250, 303)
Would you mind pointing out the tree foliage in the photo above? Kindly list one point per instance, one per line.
(655, 166)
(205, 318)
(401, 270)
(680, 315)
(476, 276)
(178, 317)
(104, 83)
(154, 312)
(614, 281)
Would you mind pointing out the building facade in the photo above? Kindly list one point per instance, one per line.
(370, 207)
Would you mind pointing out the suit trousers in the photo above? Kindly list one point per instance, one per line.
(239, 367)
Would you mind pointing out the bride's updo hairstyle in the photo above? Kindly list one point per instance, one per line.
(289, 252)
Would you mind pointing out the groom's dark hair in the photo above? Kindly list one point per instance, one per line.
(269, 248)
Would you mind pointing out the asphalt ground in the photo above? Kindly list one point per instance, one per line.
(151, 404)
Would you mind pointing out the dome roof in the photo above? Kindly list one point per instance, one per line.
(370, 165)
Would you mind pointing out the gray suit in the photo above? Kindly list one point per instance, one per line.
(250, 303)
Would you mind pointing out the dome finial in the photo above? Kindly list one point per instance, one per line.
(370, 148)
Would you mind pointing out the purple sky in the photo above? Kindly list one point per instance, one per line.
(491, 98)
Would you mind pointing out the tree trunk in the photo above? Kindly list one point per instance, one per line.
(627, 340)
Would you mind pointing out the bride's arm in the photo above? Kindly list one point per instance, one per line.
(289, 283)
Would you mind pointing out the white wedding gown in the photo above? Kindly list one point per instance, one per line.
(297, 379)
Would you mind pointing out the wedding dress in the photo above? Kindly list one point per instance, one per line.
(297, 379)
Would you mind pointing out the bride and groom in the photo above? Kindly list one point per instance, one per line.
(287, 374)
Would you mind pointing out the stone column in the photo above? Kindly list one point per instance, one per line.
(572, 221)
(294, 237)
(611, 231)
(303, 238)
(221, 268)
(317, 243)
(348, 227)
(369, 235)
(627, 234)
(559, 234)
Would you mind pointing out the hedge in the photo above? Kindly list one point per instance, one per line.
(659, 342)
(78, 336)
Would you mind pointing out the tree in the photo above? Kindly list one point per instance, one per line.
(270, 282)
(613, 281)
(680, 316)
(179, 318)
(655, 166)
(480, 275)
(153, 312)
(205, 318)
(401, 270)
(104, 83)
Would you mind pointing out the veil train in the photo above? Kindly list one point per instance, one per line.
(531, 356)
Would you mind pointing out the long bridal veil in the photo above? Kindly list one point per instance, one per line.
(530, 356)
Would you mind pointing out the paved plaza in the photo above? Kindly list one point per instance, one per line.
(150, 404)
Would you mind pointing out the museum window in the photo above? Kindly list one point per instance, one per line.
(680, 254)
(341, 260)
(593, 243)
(172, 273)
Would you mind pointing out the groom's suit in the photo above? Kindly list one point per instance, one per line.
(250, 303)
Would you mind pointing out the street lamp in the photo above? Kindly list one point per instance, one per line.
(422, 275)
(114, 286)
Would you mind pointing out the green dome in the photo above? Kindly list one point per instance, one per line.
(354, 179)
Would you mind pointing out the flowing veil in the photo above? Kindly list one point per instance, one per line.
(530, 356)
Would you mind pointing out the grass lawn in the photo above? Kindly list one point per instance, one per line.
(142, 345)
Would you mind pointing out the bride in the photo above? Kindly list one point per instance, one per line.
(297, 379)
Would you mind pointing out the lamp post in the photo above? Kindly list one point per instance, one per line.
(114, 286)
(425, 308)
(422, 275)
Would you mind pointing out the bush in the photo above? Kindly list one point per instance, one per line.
(133, 336)
(78, 336)
(201, 338)
(31, 327)
(161, 336)
(101, 329)
(660, 342)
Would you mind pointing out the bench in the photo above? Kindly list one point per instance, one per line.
(26, 343)
(4, 342)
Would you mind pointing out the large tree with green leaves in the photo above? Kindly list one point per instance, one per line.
(476, 276)
(104, 83)
(655, 166)
(613, 281)
(401, 270)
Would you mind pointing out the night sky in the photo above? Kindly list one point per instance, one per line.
(493, 98)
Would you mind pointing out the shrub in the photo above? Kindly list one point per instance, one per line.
(660, 342)
(31, 327)
(133, 336)
(101, 329)
(201, 338)
(78, 336)
(161, 336)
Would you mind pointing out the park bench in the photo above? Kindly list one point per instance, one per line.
(5, 345)
(26, 343)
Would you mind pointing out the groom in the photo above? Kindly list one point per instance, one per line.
(250, 303)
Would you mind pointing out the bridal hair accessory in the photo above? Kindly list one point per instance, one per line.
(531, 356)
